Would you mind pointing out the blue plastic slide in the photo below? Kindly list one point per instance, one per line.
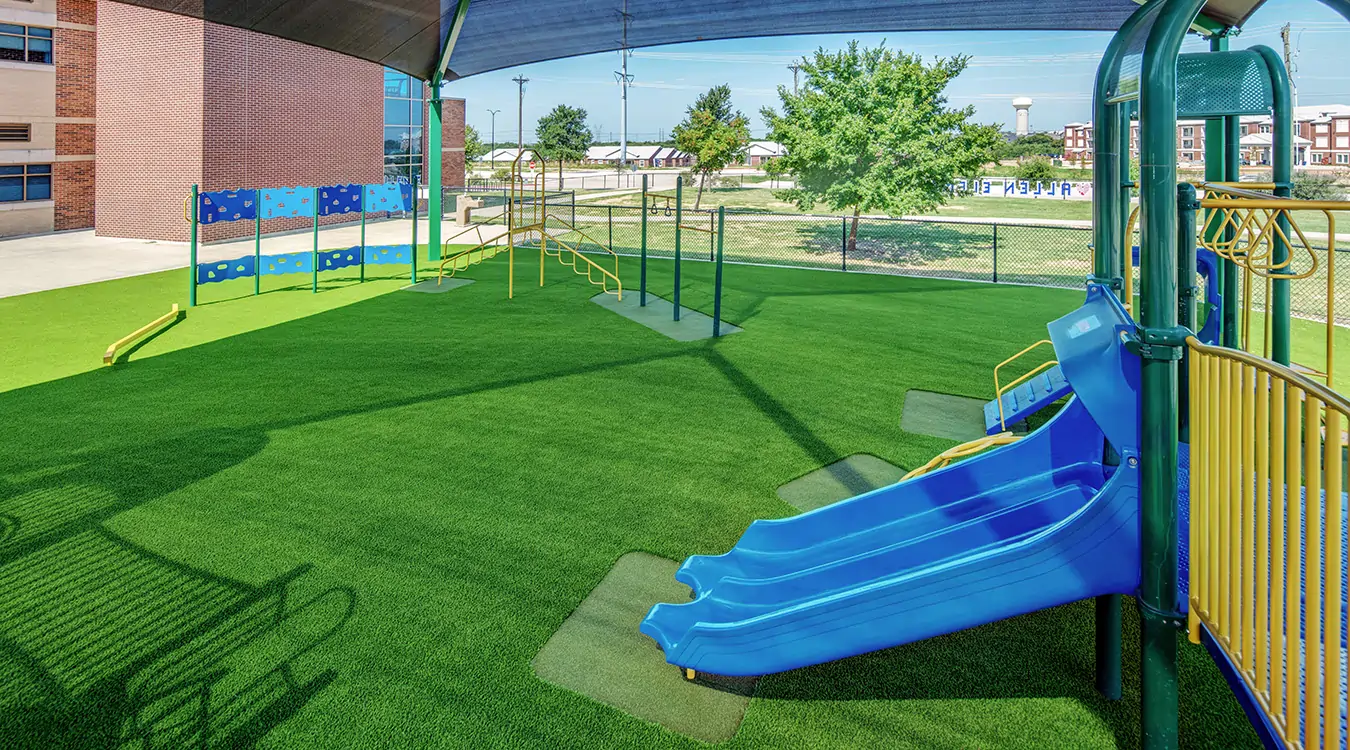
(1038, 523)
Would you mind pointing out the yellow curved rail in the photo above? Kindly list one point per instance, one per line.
(963, 450)
(1266, 509)
(173, 315)
(999, 391)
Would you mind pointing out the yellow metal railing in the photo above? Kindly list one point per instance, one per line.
(1267, 477)
(173, 315)
(962, 451)
(999, 391)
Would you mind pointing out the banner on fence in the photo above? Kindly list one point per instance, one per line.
(1006, 187)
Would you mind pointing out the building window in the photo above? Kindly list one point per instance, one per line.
(1188, 156)
(1343, 158)
(403, 107)
(1320, 128)
(25, 182)
(1188, 132)
(25, 43)
(16, 132)
(1188, 143)
(1343, 126)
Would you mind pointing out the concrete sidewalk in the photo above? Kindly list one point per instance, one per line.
(52, 261)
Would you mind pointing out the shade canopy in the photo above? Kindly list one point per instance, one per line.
(408, 35)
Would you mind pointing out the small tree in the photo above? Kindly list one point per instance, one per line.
(1035, 169)
(474, 148)
(562, 134)
(714, 133)
(870, 130)
(1314, 186)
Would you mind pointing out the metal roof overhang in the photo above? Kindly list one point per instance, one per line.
(409, 35)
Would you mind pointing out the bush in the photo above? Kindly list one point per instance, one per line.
(1316, 186)
(729, 182)
(502, 175)
(1035, 169)
(689, 178)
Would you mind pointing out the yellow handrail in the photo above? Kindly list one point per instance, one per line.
(1266, 505)
(174, 314)
(590, 265)
(998, 392)
(963, 450)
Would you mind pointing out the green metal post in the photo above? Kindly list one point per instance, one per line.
(363, 233)
(257, 243)
(433, 227)
(717, 275)
(679, 217)
(434, 157)
(192, 249)
(1187, 205)
(1232, 172)
(1161, 346)
(642, 294)
(315, 286)
(1216, 170)
(1282, 170)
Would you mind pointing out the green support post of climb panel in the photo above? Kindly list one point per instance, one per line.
(257, 243)
(679, 216)
(1188, 292)
(1232, 172)
(315, 252)
(363, 233)
(1160, 343)
(717, 274)
(1282, 170)
(412, 253)
(1216, 133)
(642, 274)
(192, 249)
(435, 155)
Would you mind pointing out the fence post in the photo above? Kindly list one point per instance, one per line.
(717, 276)
(192, 251)
(843, 243)
(610, 210)
(642, 295)
(257, 243)
(711, 229)
(679, 216)
(574, 209)
(315, 286)
(363, 232)
(995, 253)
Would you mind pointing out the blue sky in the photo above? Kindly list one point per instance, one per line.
(1054, 68)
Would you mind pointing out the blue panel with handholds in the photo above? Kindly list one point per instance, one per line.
(223, 270)
(278, 265)
(1090, 346)
(1036, 393)
(227, 205)
(286, 202)
(381, 254)
(339, 199)
(330, 260)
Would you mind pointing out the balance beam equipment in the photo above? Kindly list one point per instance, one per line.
(174, 315)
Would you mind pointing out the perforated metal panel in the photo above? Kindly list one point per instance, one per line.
(1213, 84)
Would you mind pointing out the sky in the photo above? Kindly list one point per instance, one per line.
(1054, 68)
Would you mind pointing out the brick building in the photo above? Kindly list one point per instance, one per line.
(109, 112)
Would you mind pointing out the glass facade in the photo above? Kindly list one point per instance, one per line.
(403, 107)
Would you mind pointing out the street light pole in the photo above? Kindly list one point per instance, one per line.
(520, 81)
(493, 153)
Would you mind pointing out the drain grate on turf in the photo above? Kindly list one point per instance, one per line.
(599, 653)
(859, 473)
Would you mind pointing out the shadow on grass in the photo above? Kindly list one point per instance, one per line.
(126, 355)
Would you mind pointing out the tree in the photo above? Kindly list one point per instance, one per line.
(562, 134)
(474, 148)
(714, 133)
(1035, 169)
(1032, 144)
(870, 130)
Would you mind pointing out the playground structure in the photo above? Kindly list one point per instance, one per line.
(202, 208)
(172, 316)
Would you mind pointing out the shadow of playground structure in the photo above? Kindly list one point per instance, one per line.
(104, 643)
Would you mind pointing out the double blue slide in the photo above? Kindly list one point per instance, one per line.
(1042, 522)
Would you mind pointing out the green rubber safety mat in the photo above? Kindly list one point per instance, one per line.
(841, 480)
(600, 653)
(659, 315)
(943, 415)
(431, 287)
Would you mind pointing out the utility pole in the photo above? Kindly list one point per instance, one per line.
(624, 79)
(794, 67)
(1289, 64)
(520, 114)
(493, 153)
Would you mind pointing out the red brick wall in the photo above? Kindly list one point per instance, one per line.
(149, 138)
(74, 194)
(76, 93)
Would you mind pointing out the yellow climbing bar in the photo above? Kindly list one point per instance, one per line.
(173, 315)
(998, 391)
(963, 450)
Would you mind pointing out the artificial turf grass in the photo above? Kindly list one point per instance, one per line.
(840, 480)
(469, 468)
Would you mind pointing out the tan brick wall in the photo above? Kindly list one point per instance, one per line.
(149, 136)
(73, 194)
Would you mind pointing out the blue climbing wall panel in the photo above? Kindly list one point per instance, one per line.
(333, 259)
(223, 270)
(380, 254)
(277, 265)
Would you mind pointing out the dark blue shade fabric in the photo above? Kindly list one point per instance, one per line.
(227, 205)
(339, 199)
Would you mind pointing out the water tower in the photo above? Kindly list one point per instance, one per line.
(1023, 106)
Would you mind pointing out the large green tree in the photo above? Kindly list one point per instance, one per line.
(474, 148)
(870, 130)
(714, 133)
(562, 134)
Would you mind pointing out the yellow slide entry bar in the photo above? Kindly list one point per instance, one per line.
(173, 315)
